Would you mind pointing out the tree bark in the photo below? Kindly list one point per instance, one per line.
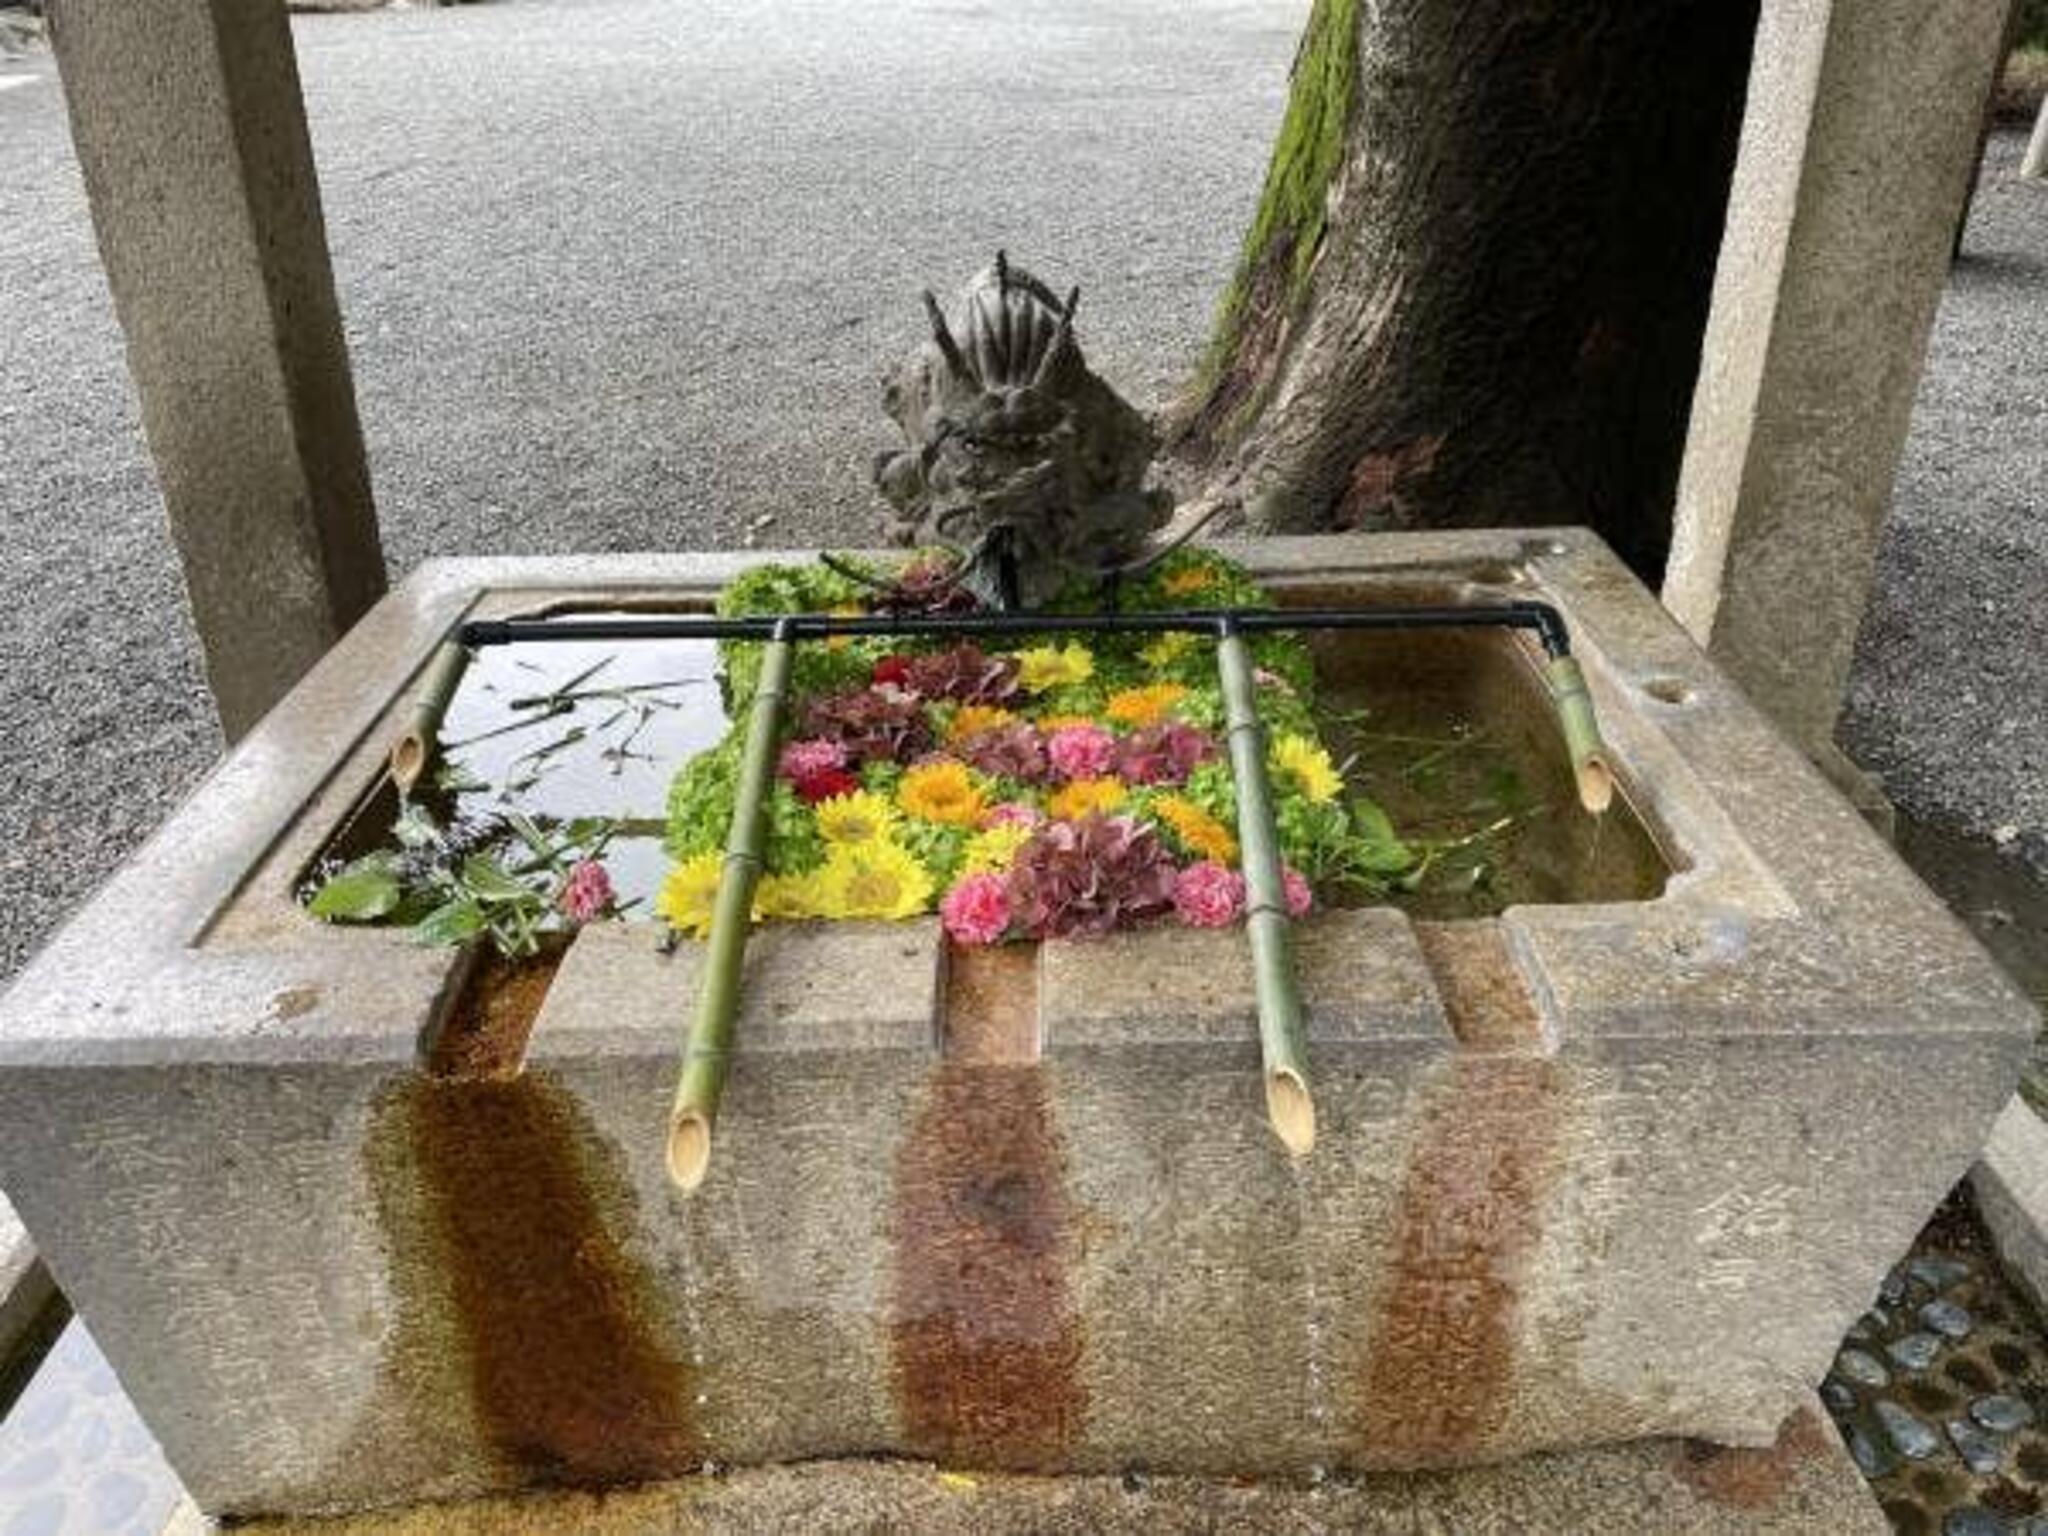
(1475, 287)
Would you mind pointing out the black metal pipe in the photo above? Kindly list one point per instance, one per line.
(1545, 620)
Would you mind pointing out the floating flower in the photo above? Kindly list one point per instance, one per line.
(1167, 649)
(842, 611)
(884, 723)
(1054, 666)
(893, 669)
(856, 819)
(806, 759)
(1086, 797)
(966, 674)
(1013, 751)
(1198, 831)
(1081, 751)
(1163, 754)
(1308, 765)
(824, 786)
(1050, 723)
(586, 893)
(689, 893)
(1013, 813)
(1299, 897)
(1207, 895)
(941, 790)
(1087, 877)
(973, 719)
(786, 897)
(1267, 679)
(878, 880)
(977, 909)
(1194, 578)
(994, 848)
(1144, 706)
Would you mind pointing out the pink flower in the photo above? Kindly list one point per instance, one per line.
(1013, 813)
(1081, 751)
(1267, 679)
(586, 893)
(977, 910)
(1299, 897)
(802, 760)
(1165, 753)
(1206, 895)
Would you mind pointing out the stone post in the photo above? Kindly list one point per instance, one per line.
(192, 137)
(1855, 156)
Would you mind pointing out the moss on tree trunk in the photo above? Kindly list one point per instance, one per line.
(1474, 289)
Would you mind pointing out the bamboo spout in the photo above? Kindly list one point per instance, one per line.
(1591, 766)
(412, 754)
(707, 1049)
(1282, 1032)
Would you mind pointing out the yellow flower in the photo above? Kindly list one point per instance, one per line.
(1198, 831)
(994, 850)
(842, 611)
(1308, 765)
(971, 718)
(1195, 578)
(1049, 666)
(689, 893)
(1167, 649)
(1050, 723)
(873, 880)
(941, 791)
(860, 817)
(786, 896)
(1084, 797)
(1144, 706)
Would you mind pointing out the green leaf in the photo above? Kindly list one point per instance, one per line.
(486, 880)
(361, 892)
(450, 923)
(1376, 845)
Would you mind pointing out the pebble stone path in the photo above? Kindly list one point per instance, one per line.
(1941, 1390)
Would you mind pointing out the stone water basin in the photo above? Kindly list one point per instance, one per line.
(1616, 1137)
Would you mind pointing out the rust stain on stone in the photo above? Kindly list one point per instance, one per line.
(1442, 1355)
(1485, 997)
(992, 1004)
(517, 1213)
(985, 1347)
(1754, 1478)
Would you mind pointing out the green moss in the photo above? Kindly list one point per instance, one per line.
(1306, 158)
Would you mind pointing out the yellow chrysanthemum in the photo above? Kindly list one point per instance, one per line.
(855, 819)
(1167, 649)
(1308, 765)
(787, 897)
(690, 892)
(970, 718)
(842, 611)
(1054, 666)
(1144, 706)
(992, 851)
(1196, 578)
(878, 880)
(1050, 723)
(1198, 831)
(1085, 797)
(942, 791)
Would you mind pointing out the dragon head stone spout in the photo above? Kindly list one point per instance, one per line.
(1015, 455)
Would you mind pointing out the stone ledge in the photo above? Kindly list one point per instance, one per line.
(2011, 1183)
(26, 1289)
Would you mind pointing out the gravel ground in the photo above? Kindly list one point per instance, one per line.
(617, 274)
(1948, 703)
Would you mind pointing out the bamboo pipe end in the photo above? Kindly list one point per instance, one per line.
(408, 759)
(1596, 782)
(689, 1150)
(1291, 1110)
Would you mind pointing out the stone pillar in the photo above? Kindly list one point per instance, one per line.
(192, 137)
(1855, 156)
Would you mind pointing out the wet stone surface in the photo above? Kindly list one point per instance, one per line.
(1941, 1391)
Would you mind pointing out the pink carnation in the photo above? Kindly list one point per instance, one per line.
(1081, 751)
(1013, 813)
(1299, 897)
(977, 910)
(1206, 895)
(803, 760)
(586, 893)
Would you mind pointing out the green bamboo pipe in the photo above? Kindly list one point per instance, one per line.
(413, 752)
(1282, 1032)
(1574, 705)
(707, 1049)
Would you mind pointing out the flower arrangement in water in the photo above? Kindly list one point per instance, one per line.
(1064, 788)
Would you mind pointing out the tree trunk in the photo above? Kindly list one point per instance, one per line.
(1475, 286)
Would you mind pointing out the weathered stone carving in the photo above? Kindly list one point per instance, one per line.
(1016, 454)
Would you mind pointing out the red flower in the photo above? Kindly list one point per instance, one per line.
(824, 784)
(892, 669)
